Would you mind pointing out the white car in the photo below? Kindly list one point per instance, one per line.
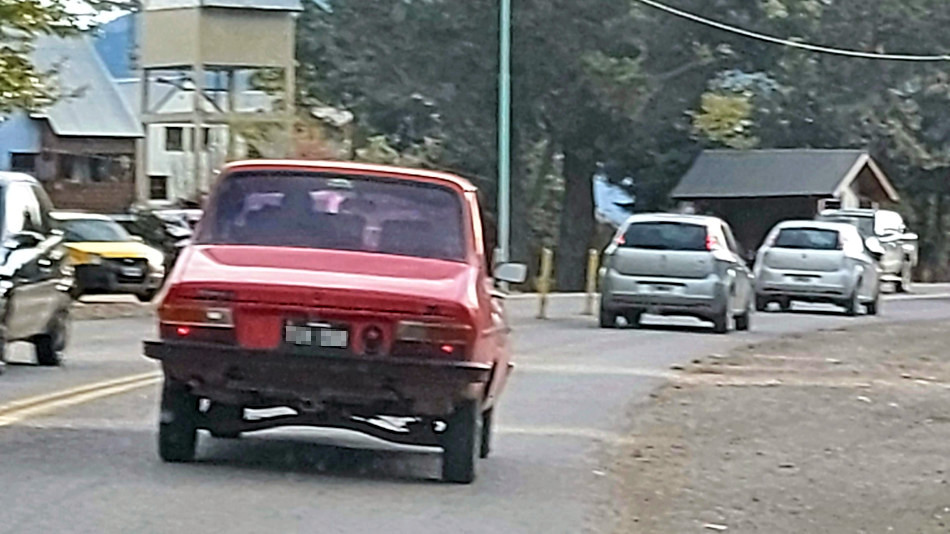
(813, 261)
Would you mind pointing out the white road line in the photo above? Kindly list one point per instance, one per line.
(580, 369)
(921, 296)
(592, 434)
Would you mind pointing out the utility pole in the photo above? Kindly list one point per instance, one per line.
(504, 132)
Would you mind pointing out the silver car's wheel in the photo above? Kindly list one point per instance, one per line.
(853, 304)
(607, 318)
(744, 321)
(633, 318)
(907, 279)
(874, 307)
(722, 322)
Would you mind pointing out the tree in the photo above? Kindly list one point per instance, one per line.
(614, 80)
(22, 85)
(895, 109)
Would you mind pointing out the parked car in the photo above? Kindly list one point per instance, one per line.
(676, 265)
(107, 259)
(168, 230)
(346, 293)
(35, 278)
(900, 245)
(813, 261)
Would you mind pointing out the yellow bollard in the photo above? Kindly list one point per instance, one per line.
(544, 281)
(593, 265)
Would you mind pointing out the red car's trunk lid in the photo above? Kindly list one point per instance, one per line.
(312, 277)
(266, 285)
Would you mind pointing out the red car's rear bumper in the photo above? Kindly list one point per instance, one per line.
(264, 378)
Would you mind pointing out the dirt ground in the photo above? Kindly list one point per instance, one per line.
(839, 431)
(85, 311)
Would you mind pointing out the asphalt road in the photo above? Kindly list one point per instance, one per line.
(93, 467)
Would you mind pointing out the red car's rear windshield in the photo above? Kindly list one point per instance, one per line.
(356, 213)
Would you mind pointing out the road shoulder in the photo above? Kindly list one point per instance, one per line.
(839, 431)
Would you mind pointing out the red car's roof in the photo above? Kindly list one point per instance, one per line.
(346, 167)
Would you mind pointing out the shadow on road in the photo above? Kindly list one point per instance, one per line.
(308, 456)
(670, 327)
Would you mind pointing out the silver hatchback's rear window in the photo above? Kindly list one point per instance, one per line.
(808, 238)
(665, 236)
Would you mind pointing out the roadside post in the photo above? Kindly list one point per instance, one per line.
(544, 282)
(593, 264)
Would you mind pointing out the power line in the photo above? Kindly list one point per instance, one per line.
(786, 42)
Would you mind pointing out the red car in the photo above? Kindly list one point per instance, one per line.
(345, 292)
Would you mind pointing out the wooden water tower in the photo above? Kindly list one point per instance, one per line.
(214, 67)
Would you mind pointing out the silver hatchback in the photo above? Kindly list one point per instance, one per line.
(814, 261)
(676, 265)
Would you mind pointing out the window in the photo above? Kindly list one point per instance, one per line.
(665, 236)
(808, 238)
(206, 137)
(362, 214)
(174, 138)
(23, 162)
(865, 225)
(158, 187)
(94, 231)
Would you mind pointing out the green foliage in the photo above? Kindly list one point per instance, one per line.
(22, 85)
(605, 79)
(726, 119)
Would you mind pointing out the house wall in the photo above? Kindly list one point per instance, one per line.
(106, 197)
(73, 188)
(220, 36)
(178, 167)
(19, 133)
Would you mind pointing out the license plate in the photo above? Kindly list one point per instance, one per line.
(131, 271)
(663, 289)
(317, 335)
(804, 279)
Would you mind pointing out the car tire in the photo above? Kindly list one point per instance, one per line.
(874, 307)
(761, 303)
(460, 443)
(3, 355)
(785, 304)
(226, 413)
(721, 322)
(178, 424)
(853, 304)
(744, 321)
(49, 347)
(907, 278)
(487, 429)
(607, 318)
(147, 296)
(633, 318)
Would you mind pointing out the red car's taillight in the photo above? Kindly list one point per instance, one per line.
(432, 340)
(209, 322)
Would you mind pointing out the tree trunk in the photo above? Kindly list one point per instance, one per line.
(577, 220)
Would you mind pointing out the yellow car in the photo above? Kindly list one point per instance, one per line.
(107, 259)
